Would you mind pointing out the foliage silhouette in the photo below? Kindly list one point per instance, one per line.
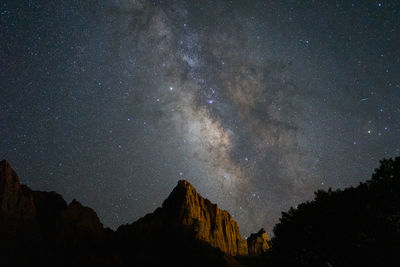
(352, 227)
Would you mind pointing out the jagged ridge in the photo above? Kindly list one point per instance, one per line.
(43, 226)
(186, 211)
(186, 229)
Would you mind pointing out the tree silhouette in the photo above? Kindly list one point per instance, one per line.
(353, 227)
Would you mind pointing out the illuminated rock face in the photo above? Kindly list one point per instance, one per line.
(258, 243)
(208, 222)
(187, 214)
(187, 228)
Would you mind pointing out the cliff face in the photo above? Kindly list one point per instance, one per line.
(79, 223)
(16, 201)
(187, 212)
(187, 230)
(40, 222)
(17, 208)
(46, 212)
(258, 243)
(208, 222)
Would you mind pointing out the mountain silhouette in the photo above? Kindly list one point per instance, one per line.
(357, 226)
(41, 228)
(186, 212)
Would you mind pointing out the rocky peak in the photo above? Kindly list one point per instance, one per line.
(45, 213)
(82, 221)
(190, 211)
(258, 243)
(7, 176)
(9, 183)
(16, 201)
(186, 223)
(180, 195)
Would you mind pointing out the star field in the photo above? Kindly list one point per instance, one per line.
(257, 103)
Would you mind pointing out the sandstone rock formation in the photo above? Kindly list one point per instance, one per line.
(80, 223)
(44, 211)
(16, 201)
(186, 211)
(41, 225)
(17, 207)
(258, 243)
(40, 228)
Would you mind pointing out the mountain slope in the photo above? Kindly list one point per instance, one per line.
(41, 228)
(186, 212)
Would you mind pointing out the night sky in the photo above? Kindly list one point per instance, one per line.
(256, 103)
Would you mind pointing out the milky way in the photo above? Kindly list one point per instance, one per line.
(257, 103)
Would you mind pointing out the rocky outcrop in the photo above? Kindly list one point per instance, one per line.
(17, 208)
(16, 201)
(258, 243)
(209, 223)
(40, 228)
(46, 211)
(79, 223)
(42, 225)
(187, 212)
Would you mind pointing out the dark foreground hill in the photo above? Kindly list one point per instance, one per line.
(352, 227)
(41, 229)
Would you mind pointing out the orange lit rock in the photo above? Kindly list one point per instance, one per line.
(209, 223)
(258, 243)
(187, 213)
